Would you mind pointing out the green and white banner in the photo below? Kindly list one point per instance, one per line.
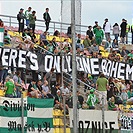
(1, 36)
(38, 117)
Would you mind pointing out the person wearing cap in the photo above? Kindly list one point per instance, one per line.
(27, 13)
(20, 18)
(92, 99)
(32, 19)
(47, 18)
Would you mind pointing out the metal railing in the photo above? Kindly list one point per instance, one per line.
(40, 24)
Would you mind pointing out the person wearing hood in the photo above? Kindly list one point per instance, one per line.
(92, 100)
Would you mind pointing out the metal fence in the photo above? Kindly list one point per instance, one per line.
(40, 25)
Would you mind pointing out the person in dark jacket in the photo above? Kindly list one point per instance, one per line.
(20, 18)
(47, 18)
(123, 30)
(90, 33)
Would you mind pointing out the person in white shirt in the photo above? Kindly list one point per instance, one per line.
(27, 12)
(46, 91)
(107, 28)
(65, 90)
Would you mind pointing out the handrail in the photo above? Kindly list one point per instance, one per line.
(86, 84)
(56, 25)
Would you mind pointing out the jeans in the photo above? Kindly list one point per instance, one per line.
(116, 36)
(18, 92)
(4, 74)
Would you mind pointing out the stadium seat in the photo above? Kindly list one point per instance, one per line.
(2, 93)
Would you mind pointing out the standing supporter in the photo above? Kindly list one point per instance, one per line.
(33, 91)
(47, 18)
(90, 33)
(102, 86)
(69, 34)
(116, 31)
(1, 23)
(9, 88)
(107, 28)
(51, 78)
(110, 91)
(17, 82)
(132, 32)
(123, 30)
(95, 26)
(20, 18)
(80, 99)
(32, 19)
(98, 35)
(43, 38)
(27, 13)
(127, 31)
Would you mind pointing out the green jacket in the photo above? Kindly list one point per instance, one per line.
(92, 100)
(86, 43)
(111, 105)
(32, 19)
(98, 33)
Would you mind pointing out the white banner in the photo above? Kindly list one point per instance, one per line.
(92, 119)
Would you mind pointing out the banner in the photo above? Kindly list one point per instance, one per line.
(90, 121)
(43, 63)
(126, 122)
(38, 117)
(1, 36)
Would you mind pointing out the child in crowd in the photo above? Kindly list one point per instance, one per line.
(111, 104)
(92, 100)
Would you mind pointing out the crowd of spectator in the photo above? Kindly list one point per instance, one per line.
(116, 91)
